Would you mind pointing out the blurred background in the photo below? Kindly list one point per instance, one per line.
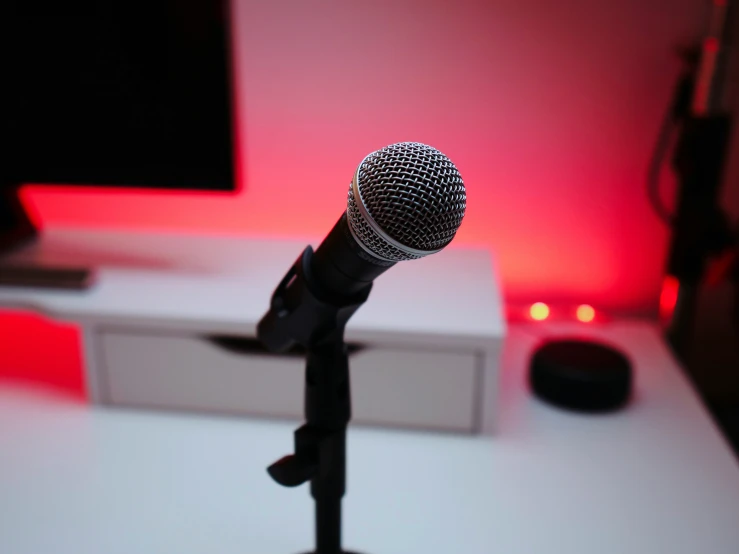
(550, 110)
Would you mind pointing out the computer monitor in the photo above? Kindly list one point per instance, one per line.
(114, 93)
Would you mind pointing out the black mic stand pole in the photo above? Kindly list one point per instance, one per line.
(301, 313)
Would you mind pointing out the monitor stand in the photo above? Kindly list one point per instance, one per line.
(17, 231)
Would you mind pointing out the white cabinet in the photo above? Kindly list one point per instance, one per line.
(431, 332)
(390, 386)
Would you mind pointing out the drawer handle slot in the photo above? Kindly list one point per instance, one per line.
(248, 346)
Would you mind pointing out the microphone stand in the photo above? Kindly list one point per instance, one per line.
(301, 313)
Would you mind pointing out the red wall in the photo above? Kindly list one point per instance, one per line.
(549, 109)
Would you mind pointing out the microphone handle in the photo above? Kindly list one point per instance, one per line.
(341, 266)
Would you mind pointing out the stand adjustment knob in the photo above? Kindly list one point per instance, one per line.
(291, 471)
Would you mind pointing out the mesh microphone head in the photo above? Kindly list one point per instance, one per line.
(406, 201)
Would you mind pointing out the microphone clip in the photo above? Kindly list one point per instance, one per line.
(302, 313)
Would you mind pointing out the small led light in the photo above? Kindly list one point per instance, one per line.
(539, 311)
(585, 313)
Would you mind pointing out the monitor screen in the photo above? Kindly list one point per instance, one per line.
(132, 93)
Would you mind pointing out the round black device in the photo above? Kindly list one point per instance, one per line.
(581, 375)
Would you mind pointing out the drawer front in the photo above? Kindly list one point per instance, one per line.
(390, 387)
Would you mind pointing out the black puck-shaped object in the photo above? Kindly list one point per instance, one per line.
(581, 375)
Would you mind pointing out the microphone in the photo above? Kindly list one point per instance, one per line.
(406, 201)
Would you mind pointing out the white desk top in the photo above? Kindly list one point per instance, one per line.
(222, 284)
(655, 478)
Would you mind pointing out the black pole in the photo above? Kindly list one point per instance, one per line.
(302, 313)
(328, 409)
(328, 526)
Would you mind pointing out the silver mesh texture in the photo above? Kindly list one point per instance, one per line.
(413, 195)
(369, 237)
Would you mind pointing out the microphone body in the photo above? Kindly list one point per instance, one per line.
(340, 267)
(405, 201)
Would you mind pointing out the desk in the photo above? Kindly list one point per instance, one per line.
(146, 327)
(655, 478)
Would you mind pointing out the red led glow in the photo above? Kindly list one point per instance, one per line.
(539, 311)
(668, 297)
(585, 313)
(39, 351)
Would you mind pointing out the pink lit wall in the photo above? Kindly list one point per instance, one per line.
(549, 109)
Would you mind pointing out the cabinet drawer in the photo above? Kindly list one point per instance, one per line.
(390, 386)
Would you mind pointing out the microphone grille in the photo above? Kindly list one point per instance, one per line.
(407, 200)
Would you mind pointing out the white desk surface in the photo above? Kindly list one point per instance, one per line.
(655, 478)
(224, 283)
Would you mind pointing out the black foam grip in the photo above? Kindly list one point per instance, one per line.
(341, 266)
